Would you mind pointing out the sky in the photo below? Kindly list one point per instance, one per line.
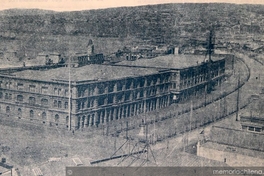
(73, 5)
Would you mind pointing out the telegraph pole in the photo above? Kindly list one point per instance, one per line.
(237, 102)
(190, 124)
(69, 91)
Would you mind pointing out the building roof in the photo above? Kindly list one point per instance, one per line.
(169, 61)
(232, 149)
(85, 73)
(237, 138)
(252, 124)
(180, 159)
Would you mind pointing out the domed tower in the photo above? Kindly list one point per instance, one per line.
(90, 47)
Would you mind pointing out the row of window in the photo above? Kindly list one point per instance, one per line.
(32, 88)
(107, 115)
(90, 91)
(32, 101)
(32, 114)
(253, 129)
(119, 98)
(189, 75)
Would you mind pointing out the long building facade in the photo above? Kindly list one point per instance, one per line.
(102, 93)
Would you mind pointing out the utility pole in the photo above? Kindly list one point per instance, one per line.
(220, 99)
(147, 142)
(237, 104)
(190, 124)
(69, 91)
(205, 95)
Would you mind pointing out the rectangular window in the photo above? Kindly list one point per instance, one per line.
(20, 86)
(55, 91)
(20, 98)
(244, 127)
(59, 104)
(258, 129)
(66, 92)
(250, 128)
(44, 90)
(32, 88)
(55, 104)
(66, 105)
(59, 91)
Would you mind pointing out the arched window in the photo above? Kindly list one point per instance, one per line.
(6, 96)
(19, 113)
(44, 102)
(59, 104)
(55, 103)
(31, 114)
(44, 117)
(67, 121)
(7, 109)
(19, 110)
(20, 98)
(57, 117)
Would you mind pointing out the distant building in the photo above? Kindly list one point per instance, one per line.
(148, 52)
(49, 58)
(252, 123)
(258, 50)
(89, 57)
(250, 28)
(46, 58)
(233, 147)
(253, 120)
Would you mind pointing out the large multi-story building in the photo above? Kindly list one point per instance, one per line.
(78, 97)
(102, 93)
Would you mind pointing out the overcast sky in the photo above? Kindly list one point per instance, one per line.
(69, 5)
